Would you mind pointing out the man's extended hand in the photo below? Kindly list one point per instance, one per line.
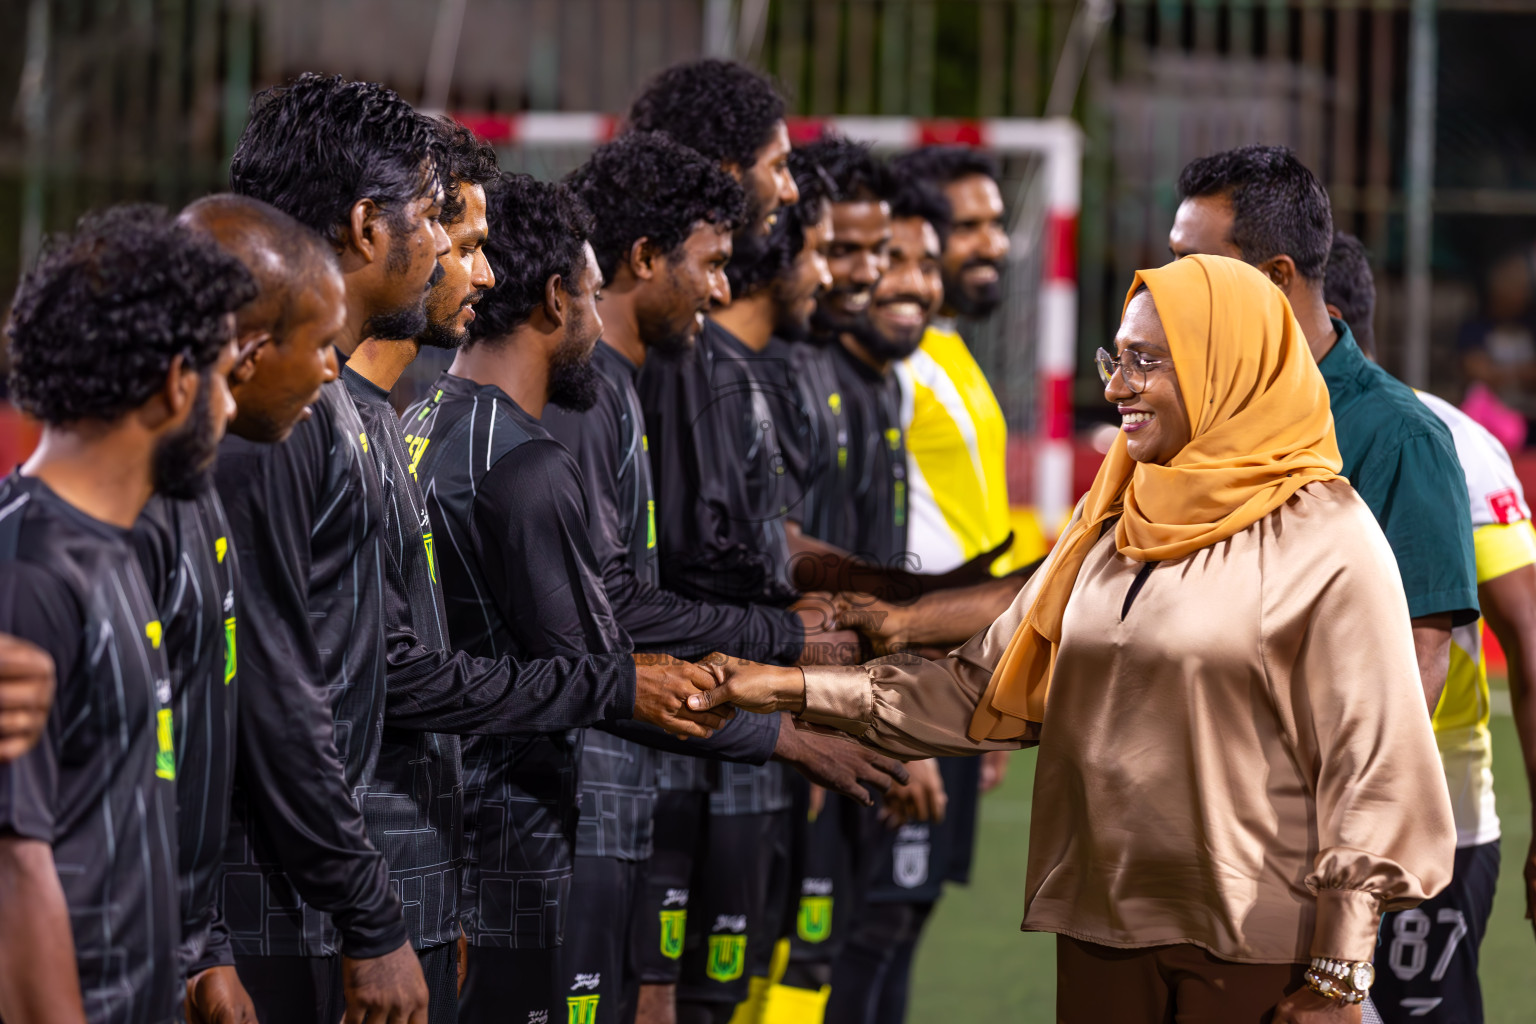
(216, 996)
(836, 762)
(994, 769)
(920, 798)
(26, 694)
(1307, 1007)
(386, 989)
(762, 689)
(884, 623)
(662, 688)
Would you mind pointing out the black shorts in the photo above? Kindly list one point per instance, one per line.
(1426, 958)
(822, 893)
(301, 989)
(738, 898)
(661, 915)
(596, 971)
(509, 986)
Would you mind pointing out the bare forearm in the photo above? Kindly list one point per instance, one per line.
(1432, 646)
(954, 616)
(38, 981)
(1509, 605)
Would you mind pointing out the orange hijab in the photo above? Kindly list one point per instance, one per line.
(1261, 429)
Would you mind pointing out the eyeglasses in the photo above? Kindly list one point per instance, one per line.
(1133, 368)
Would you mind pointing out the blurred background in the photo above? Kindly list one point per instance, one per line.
(1414, 113)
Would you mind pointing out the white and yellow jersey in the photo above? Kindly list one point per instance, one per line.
(957, 451)
(1504, 541)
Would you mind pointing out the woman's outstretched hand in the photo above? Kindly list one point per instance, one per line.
(763, 689)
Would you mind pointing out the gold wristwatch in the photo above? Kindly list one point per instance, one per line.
(1347, 981)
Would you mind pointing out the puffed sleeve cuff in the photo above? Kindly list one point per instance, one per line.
(840, 696)
(1347, 923)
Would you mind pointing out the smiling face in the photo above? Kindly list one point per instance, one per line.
(856, 259)
(688, 283)
(1155, 422)
(466, 275)
(907, 292)
(769, 184)
(976, 247)
(795, 291)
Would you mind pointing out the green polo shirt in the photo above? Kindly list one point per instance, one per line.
(1402, 461)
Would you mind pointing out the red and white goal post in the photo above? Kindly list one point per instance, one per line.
(1029, 349)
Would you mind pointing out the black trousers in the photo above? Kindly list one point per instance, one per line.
(309, 988)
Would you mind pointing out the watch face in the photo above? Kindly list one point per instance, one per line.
(1362, 976)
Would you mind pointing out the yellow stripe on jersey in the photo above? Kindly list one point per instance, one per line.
(958, 441)
(1503, 547)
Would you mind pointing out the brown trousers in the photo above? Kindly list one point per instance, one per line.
(1181, 984)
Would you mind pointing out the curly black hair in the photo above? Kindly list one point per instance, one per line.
(911, 196)
(537, 229)
(758, 261)
(941, 165)
(719, 108)
(1279, 208)
(97, 321)
(317, 145)
(646, 185)
(1348, 284)
(855, 173)
(466, 160)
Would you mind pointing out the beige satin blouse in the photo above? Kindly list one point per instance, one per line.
(1239, 757)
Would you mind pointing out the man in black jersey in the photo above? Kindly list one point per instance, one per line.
(122, 338)
(285, 336)
(369, 616)
(662, 236)
(26, 694)
(734, 116)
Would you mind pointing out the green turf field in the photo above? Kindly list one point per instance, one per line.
(975, 964)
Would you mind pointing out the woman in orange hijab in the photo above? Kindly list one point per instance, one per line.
(1236, 771)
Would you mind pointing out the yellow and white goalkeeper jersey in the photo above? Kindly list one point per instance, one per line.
(1504, 541)
(957, 452)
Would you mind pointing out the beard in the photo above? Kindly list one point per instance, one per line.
(974, 301)
(408, 322)
(572, 377)
(447, 332)
(182, 461)
(882, 346)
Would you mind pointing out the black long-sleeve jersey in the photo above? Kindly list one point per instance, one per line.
(506, 503)
(719, 476)
(193, 578)
(813, 432)
(718, 473)
(99, 787)
(609, 444)
(304, 519)
(414, 809)
(869, 517)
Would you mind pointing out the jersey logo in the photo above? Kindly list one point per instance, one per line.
(229, 650)
(582, 1009)
(538, 1017)
(363, 439)
(165, 745)
(221, 548)
(727, 957)
(842, 456)
(899, 498)
(909, 867)
(814, 921)
(418, 448)
(893, 438)
(155, 632)
(650, 524)
(674, 925)
(835, 403)
(1505, 505)
(426, 541)
(645, 443)
(587, 981)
